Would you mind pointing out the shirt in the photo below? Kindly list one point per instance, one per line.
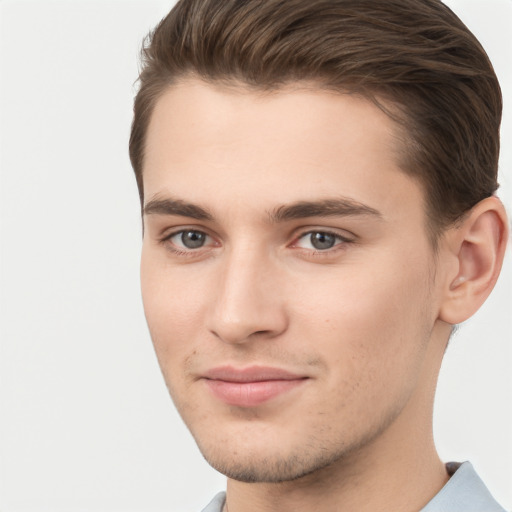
(464, 492)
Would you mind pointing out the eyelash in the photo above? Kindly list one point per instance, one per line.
(165, 240)
(342, 242)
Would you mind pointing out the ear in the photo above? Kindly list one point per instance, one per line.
(476, 249)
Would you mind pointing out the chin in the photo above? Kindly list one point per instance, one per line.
(278, 455)
(256, 466)
(268, 470)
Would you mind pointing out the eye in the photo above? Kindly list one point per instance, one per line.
(320, 240)
(189, 239)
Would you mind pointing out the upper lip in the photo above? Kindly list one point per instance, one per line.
(250, 374)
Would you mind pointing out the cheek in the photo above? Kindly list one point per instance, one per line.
(172, 305)
(374, 325)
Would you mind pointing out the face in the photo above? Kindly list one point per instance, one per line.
(287, 275)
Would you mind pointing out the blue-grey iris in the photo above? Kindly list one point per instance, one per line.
(322, 241)
(193, 239)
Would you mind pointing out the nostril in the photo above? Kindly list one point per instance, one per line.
(262, 333)
(243, 333)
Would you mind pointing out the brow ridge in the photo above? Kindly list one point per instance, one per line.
(169, 206)
(323, 208)
(298, 210)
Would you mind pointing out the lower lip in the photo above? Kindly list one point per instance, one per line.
(250, 394)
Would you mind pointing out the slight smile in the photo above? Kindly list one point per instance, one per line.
(250, 387)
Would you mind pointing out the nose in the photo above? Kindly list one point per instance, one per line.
(248, 303)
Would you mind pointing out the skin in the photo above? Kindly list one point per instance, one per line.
(364, 323)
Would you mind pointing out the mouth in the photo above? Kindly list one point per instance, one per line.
(250, 387)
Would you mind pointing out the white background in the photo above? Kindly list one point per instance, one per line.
(85, 420)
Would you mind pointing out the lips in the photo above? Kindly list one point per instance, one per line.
(250, 387)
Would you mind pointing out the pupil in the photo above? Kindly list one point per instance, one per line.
(322, 240)
(193, 239)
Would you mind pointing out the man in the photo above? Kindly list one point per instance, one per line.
(317, 183)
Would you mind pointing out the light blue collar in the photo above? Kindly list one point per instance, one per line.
(464, 492)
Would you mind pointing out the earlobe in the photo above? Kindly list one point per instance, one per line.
(478, 245)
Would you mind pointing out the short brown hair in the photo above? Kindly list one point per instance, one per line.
(415, 55)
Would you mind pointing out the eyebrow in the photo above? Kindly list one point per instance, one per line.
(337, 207)
(170, 206)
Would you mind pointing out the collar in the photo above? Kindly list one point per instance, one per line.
(464, 492)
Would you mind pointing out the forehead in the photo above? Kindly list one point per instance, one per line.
(229, 146)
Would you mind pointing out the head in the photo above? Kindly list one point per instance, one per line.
(316, 181)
